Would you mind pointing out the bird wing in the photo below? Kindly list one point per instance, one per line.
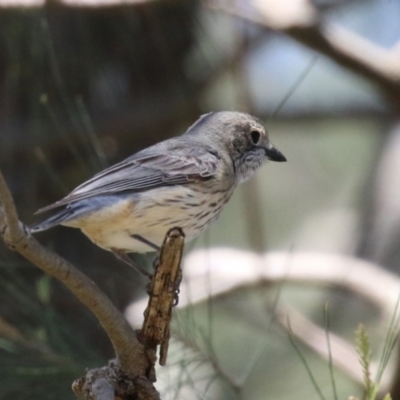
(147, 170)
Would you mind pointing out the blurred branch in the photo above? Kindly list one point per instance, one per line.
(343, 354)
(228, 271)
(252, 202)
(10, 332)
(300, 20)
(231, 270)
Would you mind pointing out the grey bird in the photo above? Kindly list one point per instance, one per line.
(181, 182)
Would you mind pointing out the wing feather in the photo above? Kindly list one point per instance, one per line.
(143, 171)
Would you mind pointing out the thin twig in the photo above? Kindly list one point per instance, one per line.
(208, 357)
(9, 219)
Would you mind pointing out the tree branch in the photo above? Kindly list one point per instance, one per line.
(230, 270)
(217, 273)
(342, 353)
(131, 354)
(300, 20)
(163, 294)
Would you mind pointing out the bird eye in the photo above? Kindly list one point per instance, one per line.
(255, 136)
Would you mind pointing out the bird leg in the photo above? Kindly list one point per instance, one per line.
(147, 242)
(121, 255)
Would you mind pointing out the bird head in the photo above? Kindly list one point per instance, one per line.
(242, 136)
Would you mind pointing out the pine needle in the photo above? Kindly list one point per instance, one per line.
(364, 351)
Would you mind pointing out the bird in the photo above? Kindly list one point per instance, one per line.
(184, 182)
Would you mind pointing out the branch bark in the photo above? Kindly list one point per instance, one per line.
(163, 294)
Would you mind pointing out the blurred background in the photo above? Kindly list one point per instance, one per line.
(83, 85)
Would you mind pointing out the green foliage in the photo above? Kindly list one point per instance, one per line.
(41, 351)
(390, 340)
(364, 351)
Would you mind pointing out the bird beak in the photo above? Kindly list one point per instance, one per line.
(274, 154)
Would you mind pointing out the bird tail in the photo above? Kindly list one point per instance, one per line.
(56, 219)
